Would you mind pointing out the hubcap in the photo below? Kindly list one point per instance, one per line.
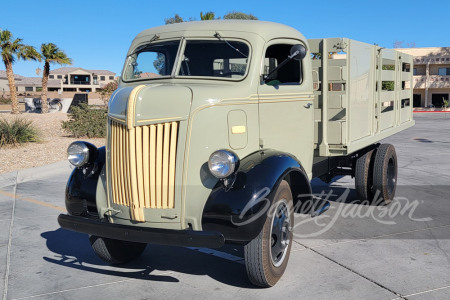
(280, 233)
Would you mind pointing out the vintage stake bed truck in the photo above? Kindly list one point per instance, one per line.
(216, 130)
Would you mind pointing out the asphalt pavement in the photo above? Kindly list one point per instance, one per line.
(351, 251)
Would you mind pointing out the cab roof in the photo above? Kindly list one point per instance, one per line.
(267, 30)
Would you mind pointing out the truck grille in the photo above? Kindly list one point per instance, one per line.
(143, 166)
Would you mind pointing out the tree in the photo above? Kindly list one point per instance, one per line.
(51, 54)
(174, 19)
(10, 50)
(237, 15)
(107, 90)
(207, 16)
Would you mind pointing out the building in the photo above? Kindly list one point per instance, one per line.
(4, 84)
(81, 80)
(66, 79)
(431, 75)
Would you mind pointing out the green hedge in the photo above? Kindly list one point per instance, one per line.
(86, 121)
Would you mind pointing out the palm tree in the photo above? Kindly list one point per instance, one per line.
(51, 54)
(10, 50)
(207, 16)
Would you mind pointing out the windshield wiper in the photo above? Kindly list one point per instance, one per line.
(139, 49)
(217, 35)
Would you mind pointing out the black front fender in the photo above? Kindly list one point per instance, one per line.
(82, 187)
(240, 212)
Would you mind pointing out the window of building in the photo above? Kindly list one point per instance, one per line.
(290, 73)
(444, 71)
(51, 76)
(111, 77)
(102, 78)
(59, 77)
(415, 71)
(28, 89)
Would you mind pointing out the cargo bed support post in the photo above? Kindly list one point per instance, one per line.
(324, 147)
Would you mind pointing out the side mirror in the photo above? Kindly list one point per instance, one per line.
(298, 52)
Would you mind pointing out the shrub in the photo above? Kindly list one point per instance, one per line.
(17, 131)
(86, 121)
(5, 100)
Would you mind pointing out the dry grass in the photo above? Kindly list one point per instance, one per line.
(52, 147)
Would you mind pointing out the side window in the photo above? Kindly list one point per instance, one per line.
(289, 74)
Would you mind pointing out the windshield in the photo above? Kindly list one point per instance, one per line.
(214, 59)
(201, 58)
(152, 61)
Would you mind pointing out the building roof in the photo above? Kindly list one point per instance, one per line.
(4, 76)
(67, 70)
(429, 51)
(37, 81)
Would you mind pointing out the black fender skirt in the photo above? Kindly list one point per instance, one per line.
(239, 212)
(82, 187)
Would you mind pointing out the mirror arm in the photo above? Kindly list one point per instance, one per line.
(266, 77)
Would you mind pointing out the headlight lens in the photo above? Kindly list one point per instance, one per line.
(223, 163)
(78, 154)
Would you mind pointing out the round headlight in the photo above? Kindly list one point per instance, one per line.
(223, 163)
(78, 154)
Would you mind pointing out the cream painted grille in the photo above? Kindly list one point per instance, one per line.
(143, 166)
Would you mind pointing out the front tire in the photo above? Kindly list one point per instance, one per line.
(114, 251)
(267, 255)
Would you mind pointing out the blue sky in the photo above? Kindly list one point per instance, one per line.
(96, 34)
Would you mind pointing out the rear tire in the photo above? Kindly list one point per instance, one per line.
(364, 176)
(116, 251)
(385, 174)
(267, 255)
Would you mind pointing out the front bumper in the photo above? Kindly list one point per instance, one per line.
(186, 238)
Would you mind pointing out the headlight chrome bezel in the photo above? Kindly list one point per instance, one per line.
(81, 153)
(229, 161)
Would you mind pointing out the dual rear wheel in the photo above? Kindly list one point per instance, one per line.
(376, 175)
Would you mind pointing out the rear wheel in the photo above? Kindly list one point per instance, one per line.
(116, 251)
(364, 176)
(267, 255)
(385, 174)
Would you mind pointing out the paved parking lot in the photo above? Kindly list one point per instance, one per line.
(351, 251)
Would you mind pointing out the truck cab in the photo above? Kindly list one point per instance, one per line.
(213, 137)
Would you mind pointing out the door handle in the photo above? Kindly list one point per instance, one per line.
(308, 105)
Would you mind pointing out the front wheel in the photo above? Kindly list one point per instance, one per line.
(267, 255)
(116, 251)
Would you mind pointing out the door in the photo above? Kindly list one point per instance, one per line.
(417, 100)
(438, 99)
(285, 103)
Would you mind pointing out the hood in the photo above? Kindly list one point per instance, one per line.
(147, 104)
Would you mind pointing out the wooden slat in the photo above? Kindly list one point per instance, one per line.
(159, 160)
(152, 166)
(173, 152)
(133, 176)
(139, 167)
(165, 164)
(145, 164)
(127, 168)
(121, 165)
(114, 165)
